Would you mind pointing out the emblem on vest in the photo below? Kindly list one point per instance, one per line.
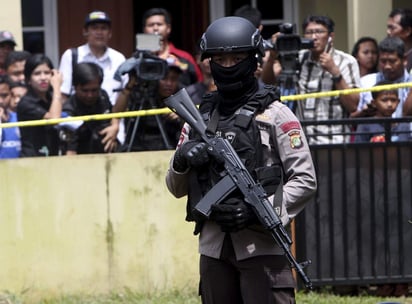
(230, 136)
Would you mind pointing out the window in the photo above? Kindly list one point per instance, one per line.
(40, 27)
(285, 11)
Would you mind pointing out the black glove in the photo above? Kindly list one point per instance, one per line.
(192, 153)
(233, 215)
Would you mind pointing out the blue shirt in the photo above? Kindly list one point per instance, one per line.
(10, 140)
(370, 132)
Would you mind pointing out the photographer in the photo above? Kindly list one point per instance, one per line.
(158, 21)
(150, 81)
(88, 99)
(322, 68)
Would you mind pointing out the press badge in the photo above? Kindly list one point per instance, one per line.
(310, 103)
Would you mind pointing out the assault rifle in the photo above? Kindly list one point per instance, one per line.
(236, 176)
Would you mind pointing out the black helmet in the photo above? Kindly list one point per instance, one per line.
(231, 34)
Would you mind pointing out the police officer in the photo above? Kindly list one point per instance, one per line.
(239, 260)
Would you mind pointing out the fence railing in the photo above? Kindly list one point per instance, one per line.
(358, 228)
(348, 128)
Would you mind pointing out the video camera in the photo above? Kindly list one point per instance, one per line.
(146, 65)
(289, 41)
(148, 69)
(288, 46)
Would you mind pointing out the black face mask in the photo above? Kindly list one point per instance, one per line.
(235, 80)
(235, 84)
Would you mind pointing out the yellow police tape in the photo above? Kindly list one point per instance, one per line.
(43, 122)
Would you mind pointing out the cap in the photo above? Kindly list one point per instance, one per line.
(6, 36)
(174, 62)
(97, 16)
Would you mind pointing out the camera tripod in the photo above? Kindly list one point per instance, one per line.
(143, 97)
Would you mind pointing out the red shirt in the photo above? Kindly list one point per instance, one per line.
(185, 55)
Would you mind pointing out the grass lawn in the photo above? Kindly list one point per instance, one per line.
(187, 297)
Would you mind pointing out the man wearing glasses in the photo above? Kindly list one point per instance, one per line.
(399, 24)
(322, 68)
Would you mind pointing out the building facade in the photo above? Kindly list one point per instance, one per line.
(51, 26)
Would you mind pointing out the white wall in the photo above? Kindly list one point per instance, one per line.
(93, 224)
(10, 19)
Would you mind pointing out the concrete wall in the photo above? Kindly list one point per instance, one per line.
(93, 224)
(10, 20)
(367, 18)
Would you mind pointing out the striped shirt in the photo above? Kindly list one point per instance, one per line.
(313, 78)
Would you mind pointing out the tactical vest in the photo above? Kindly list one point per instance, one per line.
(242, 131)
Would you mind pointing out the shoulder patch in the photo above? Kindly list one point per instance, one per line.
(295, 140)
(290, 125)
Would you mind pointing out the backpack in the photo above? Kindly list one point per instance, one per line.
(74, 58)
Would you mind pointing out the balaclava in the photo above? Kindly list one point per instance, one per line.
(236, 84)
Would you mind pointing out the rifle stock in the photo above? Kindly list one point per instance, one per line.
(182, 104)
(240, 178)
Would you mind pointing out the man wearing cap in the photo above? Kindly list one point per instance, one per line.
(97, 31)
(7, 44)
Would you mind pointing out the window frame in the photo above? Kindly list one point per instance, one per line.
(49, 29)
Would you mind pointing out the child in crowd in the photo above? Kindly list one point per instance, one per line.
(384, 103)
(18, 90)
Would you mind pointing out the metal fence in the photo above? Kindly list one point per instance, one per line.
(357, 230)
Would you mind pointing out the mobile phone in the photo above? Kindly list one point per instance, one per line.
(147, 42)
(328, 45)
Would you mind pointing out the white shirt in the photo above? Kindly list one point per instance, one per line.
(109, 62)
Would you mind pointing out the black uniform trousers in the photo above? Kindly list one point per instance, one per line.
(264, 279)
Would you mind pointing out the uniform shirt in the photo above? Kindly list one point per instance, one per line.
(313, 78)
(370, 80)
(38, 140)
(284, 144)
(10, 144)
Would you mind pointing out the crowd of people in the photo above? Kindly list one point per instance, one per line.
(321, 68)
(235, 80)
(86, 82)
(324, 68)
